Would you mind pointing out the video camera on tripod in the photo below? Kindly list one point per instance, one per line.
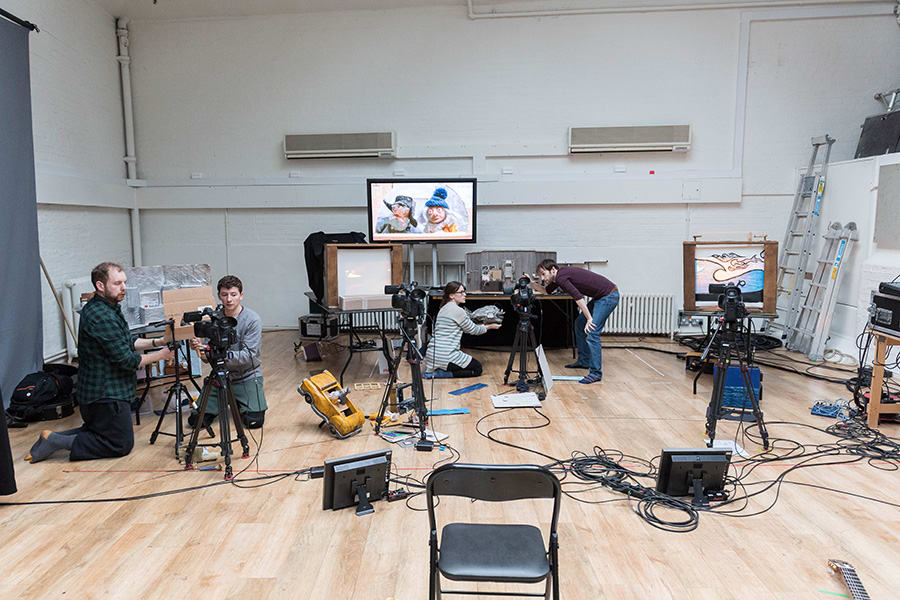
(409, 298)
(734, 342)
(522, 297)
(730, 301)
(221, 332)
(219, 328)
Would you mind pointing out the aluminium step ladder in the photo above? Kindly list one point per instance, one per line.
(799, 238)
(814, 319)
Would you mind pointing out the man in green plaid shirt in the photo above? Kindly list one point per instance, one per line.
(108, 360)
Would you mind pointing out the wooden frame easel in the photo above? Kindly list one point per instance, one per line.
(769, 273)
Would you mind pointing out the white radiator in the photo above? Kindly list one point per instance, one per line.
(643, 313)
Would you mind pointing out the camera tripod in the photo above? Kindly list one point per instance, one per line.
(408, 329)
(729, 331)
(177, 391)
(220, 378)
(524, 337)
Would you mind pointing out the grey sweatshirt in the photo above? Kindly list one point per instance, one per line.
(243, 360)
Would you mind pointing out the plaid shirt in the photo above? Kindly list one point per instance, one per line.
(107, 361)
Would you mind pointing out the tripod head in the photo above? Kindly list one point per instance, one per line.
(522, 299)
(730, 301)
(410, 299)
(219, 328)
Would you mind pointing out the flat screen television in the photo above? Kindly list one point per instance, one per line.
(692, 472)
(429, 211)
(356, 480)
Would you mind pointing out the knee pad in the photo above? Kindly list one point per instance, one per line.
(207, 420)
(253, 420)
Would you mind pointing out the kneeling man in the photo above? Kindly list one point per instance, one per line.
(108, 360)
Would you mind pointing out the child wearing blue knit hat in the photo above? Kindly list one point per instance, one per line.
(437, 211)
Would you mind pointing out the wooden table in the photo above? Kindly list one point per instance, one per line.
(882, 341)
(565, 308)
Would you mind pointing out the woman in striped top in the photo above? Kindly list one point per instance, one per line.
(451, 322)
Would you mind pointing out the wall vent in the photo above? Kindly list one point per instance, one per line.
(340, 145)
(652, 138)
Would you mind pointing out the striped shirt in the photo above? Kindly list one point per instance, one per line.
(451, 322)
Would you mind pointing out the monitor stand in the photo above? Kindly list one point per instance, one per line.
(434, 266)
(363, 507)
(699, 497)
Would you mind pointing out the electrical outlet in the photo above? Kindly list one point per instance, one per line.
(688, 321)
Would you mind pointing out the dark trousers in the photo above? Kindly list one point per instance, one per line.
(473, 370)
(107, 431)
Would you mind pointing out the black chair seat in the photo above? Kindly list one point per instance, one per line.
(480, 552)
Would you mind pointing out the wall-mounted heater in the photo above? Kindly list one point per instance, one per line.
(649, 138)
(340, 145)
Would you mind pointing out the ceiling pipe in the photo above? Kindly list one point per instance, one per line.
(661, 8)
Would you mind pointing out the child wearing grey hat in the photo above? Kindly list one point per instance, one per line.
(401, 219)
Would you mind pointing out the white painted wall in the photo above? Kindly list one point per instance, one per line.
(78, 145)
(852, 194)
(88, 235)
(264, 247)
(206, 102)
(499, 94)
(808, 77)
(216, 96)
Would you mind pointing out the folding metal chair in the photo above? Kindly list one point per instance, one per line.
(505, 553)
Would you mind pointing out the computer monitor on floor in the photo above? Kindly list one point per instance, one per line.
(697, 472)
(357, 480)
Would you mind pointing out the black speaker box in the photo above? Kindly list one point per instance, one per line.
(880, 135)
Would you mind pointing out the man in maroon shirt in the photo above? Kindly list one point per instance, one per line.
(604, 295)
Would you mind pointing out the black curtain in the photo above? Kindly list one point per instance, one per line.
(21, 334)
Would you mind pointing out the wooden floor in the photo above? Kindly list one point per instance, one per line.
(277, 542)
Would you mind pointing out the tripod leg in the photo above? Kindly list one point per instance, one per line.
(201, 410)
(238, 424)
(539, 377)
(512, 357)
(715, 401)
(418, 388)
(522, 381)
(754, 403)
(392, 381)
(179, 425)
(224, 428)
(162, 415)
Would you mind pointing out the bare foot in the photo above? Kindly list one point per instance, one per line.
(44, 435)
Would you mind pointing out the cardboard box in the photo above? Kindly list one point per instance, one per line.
(379, 302)
(178, 302)
(351, 302)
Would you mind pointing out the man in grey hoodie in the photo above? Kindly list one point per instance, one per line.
(243, 359)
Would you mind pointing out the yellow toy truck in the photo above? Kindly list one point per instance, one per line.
(325, 396)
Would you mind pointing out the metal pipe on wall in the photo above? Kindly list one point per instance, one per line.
(660, 8)
(128, 113)
(136, 257)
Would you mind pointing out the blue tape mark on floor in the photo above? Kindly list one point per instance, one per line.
(468, 388)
